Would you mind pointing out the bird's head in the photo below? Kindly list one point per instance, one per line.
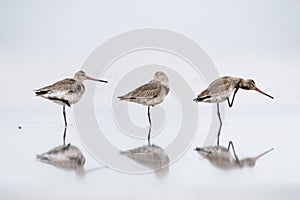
(249, 84)
(161, 77)
(82, 76)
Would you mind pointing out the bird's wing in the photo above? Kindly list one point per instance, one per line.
(223, 82)
(59, 89)
(202, 96)
(215, 88)
(220, 86)
(146, 91)
(63, 85)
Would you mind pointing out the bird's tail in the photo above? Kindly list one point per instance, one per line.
(197, 149)
(121, 98)
(41, 157)
(125, 97)
(40, 92)
(198, 99)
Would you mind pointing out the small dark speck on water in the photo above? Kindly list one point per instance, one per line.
(19, 127)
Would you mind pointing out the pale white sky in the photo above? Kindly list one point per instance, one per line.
(42, 42)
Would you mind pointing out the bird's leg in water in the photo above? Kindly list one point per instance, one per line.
(218, 111)
(234, 153)
(235, 91)
(65, 130)
(149, 132)
(64, 114)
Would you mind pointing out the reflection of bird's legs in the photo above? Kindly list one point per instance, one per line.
(65, 130)
(64, 137)
(149, 118)
(236, 158)
(218, 111)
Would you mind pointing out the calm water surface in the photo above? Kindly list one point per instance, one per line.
(275, 176)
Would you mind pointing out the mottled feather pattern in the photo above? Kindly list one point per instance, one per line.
(148, 90)
(62, 91)
(63, 85)
(218, 90)
(148, 94)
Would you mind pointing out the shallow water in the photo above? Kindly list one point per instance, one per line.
(275, 175)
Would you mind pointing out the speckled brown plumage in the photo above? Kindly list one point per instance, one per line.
(149, 94)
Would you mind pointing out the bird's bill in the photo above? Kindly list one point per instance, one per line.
(94, 79)
(258, 90)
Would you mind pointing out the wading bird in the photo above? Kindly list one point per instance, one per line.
(149, 94)
(221, 89)
(66, 92)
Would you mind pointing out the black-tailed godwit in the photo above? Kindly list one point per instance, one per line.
(149, 94)
(221, 89)
(66, 92)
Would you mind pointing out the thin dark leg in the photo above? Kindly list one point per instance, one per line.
(149, 132)
(218, 141)
(65, 130)
(64, 114)
(236, 158)
(235, 91)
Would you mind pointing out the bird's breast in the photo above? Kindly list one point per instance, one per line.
(75, 95)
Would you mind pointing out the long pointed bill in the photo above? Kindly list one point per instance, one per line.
(93, 79)
(260, 155)
(258, 90)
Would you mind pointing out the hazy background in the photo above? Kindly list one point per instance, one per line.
(44, 41)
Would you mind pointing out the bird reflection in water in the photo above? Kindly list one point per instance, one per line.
(151, 156)
(66, 157)
(222, 158)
